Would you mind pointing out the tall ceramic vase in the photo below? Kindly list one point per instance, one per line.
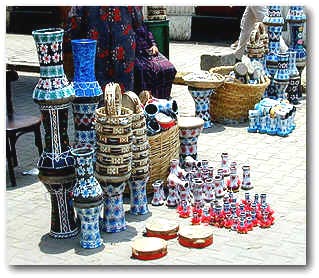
(281, 77)
(87, 92)
(274, 22)
(294, 79)
(53, 93)
(202, 104)
(88, 198)
(296, 19)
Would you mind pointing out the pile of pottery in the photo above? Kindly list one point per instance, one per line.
(161, 114)
(241, 216)
(140, 151)
(197, 184)
(272, 117)
(285, 79)
(248, 71)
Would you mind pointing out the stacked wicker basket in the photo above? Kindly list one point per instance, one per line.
(114, 139)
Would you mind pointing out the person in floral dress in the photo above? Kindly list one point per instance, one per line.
(153, 71)
(112, 27)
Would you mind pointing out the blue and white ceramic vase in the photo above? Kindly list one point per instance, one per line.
(274, 22)
(202, 104)
(53, 93)
(253, 118)
(87, 92)
(296, 19)
(281, 77)
(138, 197)
(293, 88)
(88, 197)
(114, 214)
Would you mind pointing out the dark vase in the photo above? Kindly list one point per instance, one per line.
(294, 79)
(53, 93)
(274, 22)
(88, 198)
(296, 19)
(87, 92)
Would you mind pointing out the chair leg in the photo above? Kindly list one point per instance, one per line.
(12, 146)
(10, 164)
(38, 139)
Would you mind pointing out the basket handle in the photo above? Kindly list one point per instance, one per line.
(112, 99)
(136, 101)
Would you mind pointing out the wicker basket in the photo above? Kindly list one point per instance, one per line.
(164, 147)
(232, 100)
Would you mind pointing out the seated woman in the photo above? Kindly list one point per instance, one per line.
(152, 70)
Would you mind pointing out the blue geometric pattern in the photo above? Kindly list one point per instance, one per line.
(90, 232)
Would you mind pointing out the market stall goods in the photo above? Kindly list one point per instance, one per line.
(232, 101)
(114, 129)
(149, 248)
(53, 94)
(87, 92)
(88, 198)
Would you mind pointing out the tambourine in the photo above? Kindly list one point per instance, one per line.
(112, 130)
(196, 236)
(149, 248)
(161, 228)
(108, 159)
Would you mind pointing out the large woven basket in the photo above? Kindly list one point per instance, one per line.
(164, 147)
(232, 100)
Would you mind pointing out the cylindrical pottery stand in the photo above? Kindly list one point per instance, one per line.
(201, 98)
(274, 22)
(296, 19)
(201, 86)
(281, 77)
(53, 93)
(140, 151)
(87, 92)
(88, 198)
(113, 156)
(189, 130)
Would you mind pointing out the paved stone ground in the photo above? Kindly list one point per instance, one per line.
(278, 168)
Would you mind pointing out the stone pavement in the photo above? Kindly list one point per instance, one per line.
(278, 168)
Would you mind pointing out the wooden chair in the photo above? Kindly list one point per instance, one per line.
(17, 125)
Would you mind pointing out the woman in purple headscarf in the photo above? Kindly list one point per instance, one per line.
(153, 71)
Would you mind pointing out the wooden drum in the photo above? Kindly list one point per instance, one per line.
(149, 248)
(195, 236)
(162, 228)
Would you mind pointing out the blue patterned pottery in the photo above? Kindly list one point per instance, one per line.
(87, 92)
(114, 214)
(202, 104)
(88, 197)
(53, 93)
(138, 198)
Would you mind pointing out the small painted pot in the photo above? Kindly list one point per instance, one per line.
(138, 198)
(246, 183)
